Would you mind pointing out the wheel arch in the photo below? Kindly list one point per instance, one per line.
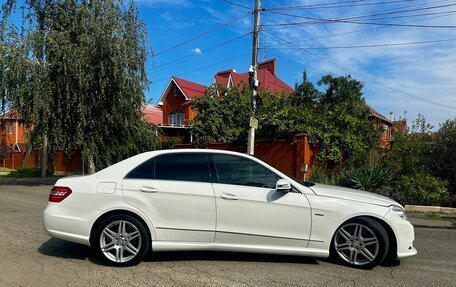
(117, 212)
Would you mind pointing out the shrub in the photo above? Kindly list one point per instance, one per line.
(28, 172)
(422, 189)
(323, 176)
(369, 179)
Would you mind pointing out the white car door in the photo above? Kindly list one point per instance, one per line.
(250, 210)
(175, 192)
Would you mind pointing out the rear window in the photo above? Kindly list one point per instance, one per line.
(176, 166)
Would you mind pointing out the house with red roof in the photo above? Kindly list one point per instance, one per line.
(177, 115)
(178, 91)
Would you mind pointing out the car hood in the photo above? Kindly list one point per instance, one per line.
(352, 194)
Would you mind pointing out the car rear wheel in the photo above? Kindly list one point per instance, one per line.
(361, 243)
(122, 240)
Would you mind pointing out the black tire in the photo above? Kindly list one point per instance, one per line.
(121, 240)
(364, 247)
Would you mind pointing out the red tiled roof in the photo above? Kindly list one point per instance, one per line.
(153, 114)
(375, 114)
(268, 80)
(222, 79)
(13, 114)
(190, 89)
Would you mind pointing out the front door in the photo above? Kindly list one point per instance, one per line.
(250, 210)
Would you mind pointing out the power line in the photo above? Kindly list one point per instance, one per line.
(180, 60)
(237, 4)
(366, 46)
(335, 5)
(343, 20)
(202, 34)
(376, 82)
(205, 67)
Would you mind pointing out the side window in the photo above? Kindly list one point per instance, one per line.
(143, 171)
(241, 171)
(182, 166)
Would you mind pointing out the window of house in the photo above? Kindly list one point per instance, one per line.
(176, 117)
(10, 128)
(3, 127)
(183, 167)
(175, 91)
(242, 171)
(387, 132)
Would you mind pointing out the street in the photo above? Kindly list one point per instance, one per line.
(31, 258)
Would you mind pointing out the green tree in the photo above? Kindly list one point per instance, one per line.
(76, 73)
(443, 154)
(340, 126)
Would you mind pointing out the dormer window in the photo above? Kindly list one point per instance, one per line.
(175, 91)
(176, 118)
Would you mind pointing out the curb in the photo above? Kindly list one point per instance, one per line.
(425, 209)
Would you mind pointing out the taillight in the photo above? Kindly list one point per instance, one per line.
(59, 193)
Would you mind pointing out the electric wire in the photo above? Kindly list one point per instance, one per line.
(202, 34)
(365, 77)
(237, 4)
(366, 46)
(334, 5)
(180, 60)
(205, 67)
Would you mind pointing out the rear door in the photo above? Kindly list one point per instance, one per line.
(175, 192)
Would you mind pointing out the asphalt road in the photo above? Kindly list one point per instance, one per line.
(29, 257)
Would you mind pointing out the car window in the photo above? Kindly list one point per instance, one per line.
(242, 171)
(143, 171)
(183, 167)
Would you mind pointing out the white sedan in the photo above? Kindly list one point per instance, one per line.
(175, 200)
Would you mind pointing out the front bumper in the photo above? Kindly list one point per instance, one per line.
(405, 235)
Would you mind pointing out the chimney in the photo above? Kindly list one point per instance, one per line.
(269, 65)
(391, 116)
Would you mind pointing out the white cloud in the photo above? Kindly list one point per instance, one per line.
(197, 51)
(421, 71)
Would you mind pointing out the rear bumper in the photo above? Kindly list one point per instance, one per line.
(61, 223)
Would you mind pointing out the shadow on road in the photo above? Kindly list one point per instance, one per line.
(226, 256)
(64, 249)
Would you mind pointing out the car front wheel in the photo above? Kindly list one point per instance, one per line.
(362, 243)
(122, 240)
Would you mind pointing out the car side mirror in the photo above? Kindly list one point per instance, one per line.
(283, 185)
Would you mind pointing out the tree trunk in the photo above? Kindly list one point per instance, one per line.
(44, 156)
(27, 155)
(91, 165)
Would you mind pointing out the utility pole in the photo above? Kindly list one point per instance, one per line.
(253, 78)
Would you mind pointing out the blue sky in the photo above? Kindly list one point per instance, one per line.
(413, 78)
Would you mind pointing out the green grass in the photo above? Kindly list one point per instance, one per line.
(4, 169)
(432, 215)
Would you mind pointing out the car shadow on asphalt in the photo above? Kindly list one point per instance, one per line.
(226, 256)
(64, 249)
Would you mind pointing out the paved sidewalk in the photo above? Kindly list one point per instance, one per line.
(420, 220)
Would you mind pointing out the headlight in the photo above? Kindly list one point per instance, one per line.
(399, 211)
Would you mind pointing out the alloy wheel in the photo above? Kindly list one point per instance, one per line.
(120, 241)
(357, 244)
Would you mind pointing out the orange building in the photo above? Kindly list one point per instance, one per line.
(13, 133)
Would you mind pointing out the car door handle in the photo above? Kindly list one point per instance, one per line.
(148, 189)
(229, 196)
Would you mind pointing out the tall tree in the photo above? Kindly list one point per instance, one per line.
(77, 75)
